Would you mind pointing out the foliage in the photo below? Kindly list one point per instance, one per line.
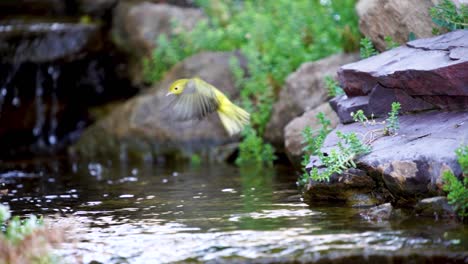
(360, 117)
(367, 48)
(392, 123)
(390, 43)
(458, 190)
(253, 150)
(462, 155)
(349, 147)
(457, 193)
(275, 37)
(25, 241)
(446, 15)
(332, 87)
(195, 160)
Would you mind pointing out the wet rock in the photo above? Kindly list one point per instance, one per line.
(437, 207)
(394, 18)
(344, 106)
(40, 42)
(97, 8)
(35, 7)
(411, 163)
(304, 90)
(426, 72)
(293, 131)
(142, 126)
(137, 26)
(354, 188)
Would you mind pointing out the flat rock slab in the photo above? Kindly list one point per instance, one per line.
(410, 164)
(434, 70)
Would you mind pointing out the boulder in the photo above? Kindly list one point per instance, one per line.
(304, 90)
(437, 207)
(410, 164)
(293, 131)
(394, 18)
(424, 74)
(142, 126)
(137, 26)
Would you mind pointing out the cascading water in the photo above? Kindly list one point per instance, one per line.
(54, 74)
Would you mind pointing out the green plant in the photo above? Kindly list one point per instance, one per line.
(26, 241)
(360, 117)
(195, 160)
(273, 41)
(367, 48)
(458, 190)
(332, 87)
(392, 123)
(462, 156)
(390, 43)
(457, 193)
(349, 147)
(446, 15)
(253, 150)
(313, 141)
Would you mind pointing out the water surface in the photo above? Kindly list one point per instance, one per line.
(146, 213)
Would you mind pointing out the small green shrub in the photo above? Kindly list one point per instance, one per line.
(458, 190)
(457, 193)
(447, 16)
(349, 147)
(390, 43)
(26, 241)
(392, 123)
(367, 48)
(360, 117)
(253, 150)
(333, 87)
(462, 155)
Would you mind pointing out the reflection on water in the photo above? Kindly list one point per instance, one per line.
(150, 214)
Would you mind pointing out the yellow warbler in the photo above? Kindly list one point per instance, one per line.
(195, 99)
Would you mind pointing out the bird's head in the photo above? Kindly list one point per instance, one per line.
(177, 87)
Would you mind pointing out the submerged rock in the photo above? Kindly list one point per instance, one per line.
(142, 126)
(394, 18)
(304, 90)
(424, 74)
(293, 131)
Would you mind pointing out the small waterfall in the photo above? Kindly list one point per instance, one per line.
(4, 87)
(40, 108)
(54, 73)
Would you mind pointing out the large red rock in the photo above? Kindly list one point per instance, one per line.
(434, 71)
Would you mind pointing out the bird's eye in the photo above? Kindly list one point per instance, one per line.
(176, 88)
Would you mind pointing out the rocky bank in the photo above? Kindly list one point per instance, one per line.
(429, 78)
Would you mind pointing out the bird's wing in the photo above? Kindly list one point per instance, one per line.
(196, 102)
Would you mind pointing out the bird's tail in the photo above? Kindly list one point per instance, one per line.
(233, 118)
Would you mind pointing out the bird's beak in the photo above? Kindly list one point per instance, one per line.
(169, 93)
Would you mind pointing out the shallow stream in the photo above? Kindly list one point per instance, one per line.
(146, 213)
